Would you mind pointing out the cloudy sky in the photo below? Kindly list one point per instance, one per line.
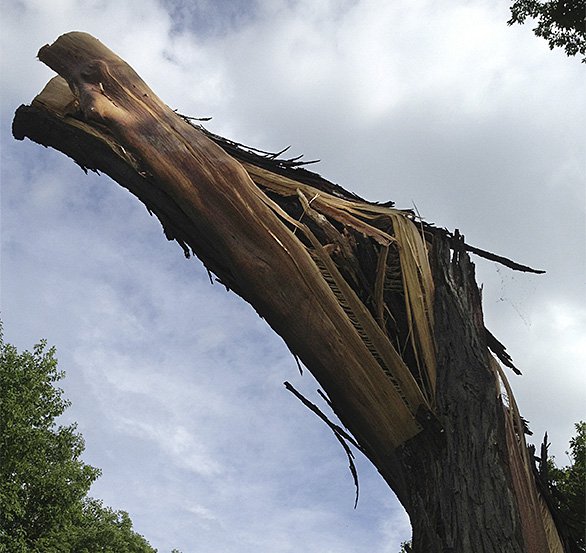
(177, 384)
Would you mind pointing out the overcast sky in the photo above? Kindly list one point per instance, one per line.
(177, 384)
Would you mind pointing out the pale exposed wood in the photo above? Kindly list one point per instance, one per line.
(226, 220)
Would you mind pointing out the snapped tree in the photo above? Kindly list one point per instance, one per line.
(381, 307)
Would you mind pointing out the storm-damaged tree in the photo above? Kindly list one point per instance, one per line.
(561, 22)
(381, 307)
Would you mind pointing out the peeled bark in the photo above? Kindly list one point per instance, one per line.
(369, 299)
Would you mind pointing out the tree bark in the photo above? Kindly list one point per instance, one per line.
(372, 301)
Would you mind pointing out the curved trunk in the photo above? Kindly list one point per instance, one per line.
(366, 296)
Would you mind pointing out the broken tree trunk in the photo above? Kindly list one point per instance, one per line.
(373, 302)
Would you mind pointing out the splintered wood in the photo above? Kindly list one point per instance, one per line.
(363, 327)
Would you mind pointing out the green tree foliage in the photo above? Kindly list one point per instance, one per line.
(98, 528)
(568, 487)
(405, 547)
(43, 481)
(560, 22)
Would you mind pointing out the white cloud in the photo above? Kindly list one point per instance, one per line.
(396, 531)
(176, 441)
(555, 354)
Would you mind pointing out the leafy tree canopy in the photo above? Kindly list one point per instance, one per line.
(406, 547)
(43, 481)
(568, 486)
(560, 22)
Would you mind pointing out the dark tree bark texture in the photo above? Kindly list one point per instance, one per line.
(382, 308)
